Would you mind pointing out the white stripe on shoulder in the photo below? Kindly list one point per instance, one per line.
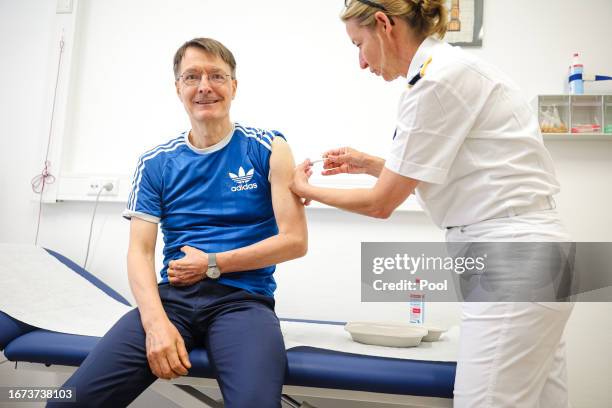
(143, 158)
(152, 151)
(168, 147)
(136, 182)
(265, 134)
(252, 133)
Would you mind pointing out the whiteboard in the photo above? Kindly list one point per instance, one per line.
(297, 73)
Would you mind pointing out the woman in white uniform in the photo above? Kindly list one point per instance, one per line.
(469, 146)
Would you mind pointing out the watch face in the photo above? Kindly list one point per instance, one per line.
(213, 273)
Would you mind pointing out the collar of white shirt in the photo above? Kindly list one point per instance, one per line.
(423, 52)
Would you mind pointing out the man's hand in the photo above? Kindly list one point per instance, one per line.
(166, 351)
(190, 269)
(344, 160)
(301, 174)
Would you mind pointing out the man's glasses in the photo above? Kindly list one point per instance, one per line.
(195, 78)
(371, 4)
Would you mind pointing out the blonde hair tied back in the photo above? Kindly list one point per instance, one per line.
(425, 17)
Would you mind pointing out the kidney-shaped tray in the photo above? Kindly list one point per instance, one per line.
(386, 334)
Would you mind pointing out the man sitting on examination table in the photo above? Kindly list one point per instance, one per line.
(221, 195)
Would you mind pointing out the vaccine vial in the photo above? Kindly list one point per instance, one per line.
(417, 308)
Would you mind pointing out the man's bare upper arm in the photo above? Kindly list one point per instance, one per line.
(288, 208)
(143, 236)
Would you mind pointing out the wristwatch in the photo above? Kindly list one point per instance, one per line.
(213, 271)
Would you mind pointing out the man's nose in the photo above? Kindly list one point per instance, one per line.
(204, 85)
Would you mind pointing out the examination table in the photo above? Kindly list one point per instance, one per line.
(311, 372)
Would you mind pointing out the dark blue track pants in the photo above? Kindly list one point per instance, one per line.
(239, 330)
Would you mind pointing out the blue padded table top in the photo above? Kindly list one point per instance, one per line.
(11, 329)
(307, 366)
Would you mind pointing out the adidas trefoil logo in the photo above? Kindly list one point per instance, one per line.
(242, 179)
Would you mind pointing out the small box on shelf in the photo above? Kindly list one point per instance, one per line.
(608, 114)
(586, 113)
(553, 113)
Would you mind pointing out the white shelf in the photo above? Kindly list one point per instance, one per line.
(578, 137)
(575, 110)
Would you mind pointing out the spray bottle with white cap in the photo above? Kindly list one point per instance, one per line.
(576, 84)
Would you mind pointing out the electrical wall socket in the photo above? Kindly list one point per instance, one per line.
(63, 7)
(95, 184)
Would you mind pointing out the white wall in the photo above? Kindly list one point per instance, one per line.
(531, 40)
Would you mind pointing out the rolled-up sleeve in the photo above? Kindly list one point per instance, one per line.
(433, 121)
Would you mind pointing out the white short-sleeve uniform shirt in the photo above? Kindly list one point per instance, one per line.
(466, 132)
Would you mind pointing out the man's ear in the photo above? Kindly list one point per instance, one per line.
(234, 87)
(178, 91)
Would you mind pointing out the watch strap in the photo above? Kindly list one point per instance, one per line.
(212, 260)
